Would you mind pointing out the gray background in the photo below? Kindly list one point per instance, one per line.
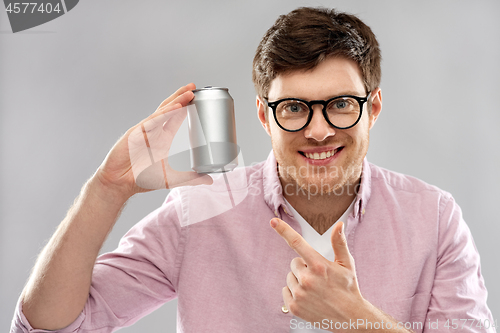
(71, 87)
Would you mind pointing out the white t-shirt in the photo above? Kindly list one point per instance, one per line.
(322, 244)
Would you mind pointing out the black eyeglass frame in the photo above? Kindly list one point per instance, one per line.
(274, 105)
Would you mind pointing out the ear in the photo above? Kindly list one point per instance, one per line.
(261, 113)
(376, 106)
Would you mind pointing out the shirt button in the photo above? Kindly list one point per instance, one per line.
(276, 213)
(284, 209)
(363, 211)
(284, 309)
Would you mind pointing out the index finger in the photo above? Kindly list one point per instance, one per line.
(179, 92)
(295, 240)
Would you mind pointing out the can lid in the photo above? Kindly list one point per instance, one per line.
(211, 88)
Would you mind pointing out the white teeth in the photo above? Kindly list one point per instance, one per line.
(322, 156)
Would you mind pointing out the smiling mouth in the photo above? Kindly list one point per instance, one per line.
(321, 156)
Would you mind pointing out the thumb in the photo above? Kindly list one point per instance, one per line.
(339, 244)
(187, 178)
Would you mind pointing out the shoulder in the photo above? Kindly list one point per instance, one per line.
(199, 203)
(237, 180)
(398, 182)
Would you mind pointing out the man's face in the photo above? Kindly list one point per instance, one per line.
(295, 151)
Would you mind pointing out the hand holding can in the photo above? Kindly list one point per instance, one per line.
(146, 166)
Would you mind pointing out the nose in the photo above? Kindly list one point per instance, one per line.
(318, 129)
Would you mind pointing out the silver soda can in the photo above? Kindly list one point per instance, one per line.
(212, 130)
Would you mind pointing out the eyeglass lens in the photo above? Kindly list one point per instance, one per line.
(342, 112)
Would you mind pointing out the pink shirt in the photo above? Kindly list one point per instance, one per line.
(415, 258)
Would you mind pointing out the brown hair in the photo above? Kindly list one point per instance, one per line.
(303, 38)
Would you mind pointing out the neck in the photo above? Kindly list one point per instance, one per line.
(321, 210)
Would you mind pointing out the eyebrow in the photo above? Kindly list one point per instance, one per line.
(352, 93)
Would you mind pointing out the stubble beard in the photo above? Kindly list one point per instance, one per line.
(313, 180)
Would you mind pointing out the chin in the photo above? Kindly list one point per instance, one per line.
(310, 180)
(297, 183)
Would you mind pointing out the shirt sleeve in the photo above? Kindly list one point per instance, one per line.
(132, 281)
(458, 297)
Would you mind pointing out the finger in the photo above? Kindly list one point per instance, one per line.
(298, 265)
(183, 100)
(287, 297)
(292, 283)
(161, 128)
(180, 91)
(339, 244)
(295, 241)
(156, 117)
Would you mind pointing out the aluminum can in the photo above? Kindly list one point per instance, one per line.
(212, 130)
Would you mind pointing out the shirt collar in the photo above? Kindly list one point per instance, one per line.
(364, 191)
(273, 192)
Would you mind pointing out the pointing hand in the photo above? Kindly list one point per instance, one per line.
(317, 288)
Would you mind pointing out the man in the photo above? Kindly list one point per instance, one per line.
(379, 250)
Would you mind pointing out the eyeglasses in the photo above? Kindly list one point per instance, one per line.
(341, 112)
